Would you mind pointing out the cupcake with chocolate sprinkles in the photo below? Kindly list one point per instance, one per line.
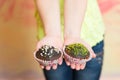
(48, 55)
(77, 53)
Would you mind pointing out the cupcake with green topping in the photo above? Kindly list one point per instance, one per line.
(77, 53)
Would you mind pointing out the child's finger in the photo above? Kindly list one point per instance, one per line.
(82, 66)
(42, 66)
(93, 55)
(54, 66)
(67, 62)
(48, 67)
(60, 61)
(77, 67)
(92, 52)
(72, 65)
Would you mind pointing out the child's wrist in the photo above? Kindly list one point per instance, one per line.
(72, 34)
(54, 35)
(72, 37)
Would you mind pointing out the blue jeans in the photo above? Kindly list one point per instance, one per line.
(91, 72)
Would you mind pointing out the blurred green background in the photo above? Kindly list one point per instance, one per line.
(18, 40)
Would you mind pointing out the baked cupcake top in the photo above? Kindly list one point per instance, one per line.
(77, 50)
(48, 53)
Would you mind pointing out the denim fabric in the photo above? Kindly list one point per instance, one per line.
(91, 72)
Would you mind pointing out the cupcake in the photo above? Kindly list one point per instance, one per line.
(77, 53)
(48, 55)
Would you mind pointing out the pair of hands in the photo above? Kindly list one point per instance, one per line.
(58, 43)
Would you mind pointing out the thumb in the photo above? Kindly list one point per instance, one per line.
(93, 53)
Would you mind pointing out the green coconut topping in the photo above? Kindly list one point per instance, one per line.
(77, 50)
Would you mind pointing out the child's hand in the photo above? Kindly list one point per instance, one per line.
(57, 43)
(78, 40)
